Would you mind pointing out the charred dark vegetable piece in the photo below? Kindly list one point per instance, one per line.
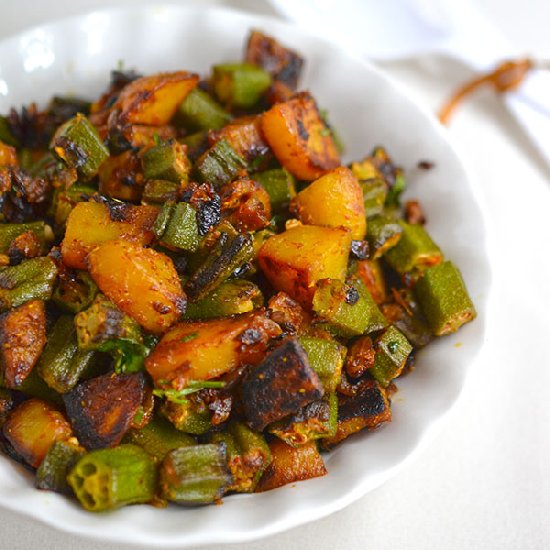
(102, 409)
(282, 384)
(383, 233)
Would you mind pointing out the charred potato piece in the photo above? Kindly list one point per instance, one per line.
(336, 200)
(367, 410)
(299, 137)
(290, 464)
(288, 313)
(207, 349)
(102, 409)
(32, 428)
(91, 224)
(22, 338)
(142, 282)
(295, 260)
(282, 384)
(153, 100)
(121, 177)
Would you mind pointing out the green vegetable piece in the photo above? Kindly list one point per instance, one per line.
(30, 280)
(326, 358)
(415, 250)
(10, 231)
(399, 185)
(230, 252)
(177, 226)
(196, 143)
(190, 416)
(219, 164)
(383, 233)
(444, 299)
(159, 191)
(199, 111)
(75, 292)
(230, 298)
(195, 475)
(158, 438)
(58, 462)
(248, 455)
(239, 84)
(78, 144)
(62, 364)
(374, 196)
(348, 309)
(166, 161)
(34, 386)
(64, 200)
(110, 478)
(280, 186)
(103, 327)
(392, 350)
(317, 420)
(5, 133)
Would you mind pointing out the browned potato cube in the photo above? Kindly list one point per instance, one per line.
(141, 282)
(22, 338)
(121, 177)
(291, 464)
(299, 138)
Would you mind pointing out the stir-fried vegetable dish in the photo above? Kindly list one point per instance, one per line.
(197, 297)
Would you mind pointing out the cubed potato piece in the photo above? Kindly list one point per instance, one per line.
(8, 155)
(91, 224)
(153, 100)
(141, 282)
(22, 338)
(295, 260)
(336, 200)
(291, 464)
(299, 137)
(207, 349)
(33, 427)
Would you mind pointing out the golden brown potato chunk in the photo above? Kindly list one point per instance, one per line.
(22, 338)
(299, 138)
(295, 260)
(90, 223)
(141, 282)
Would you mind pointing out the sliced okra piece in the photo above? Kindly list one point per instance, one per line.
(414, 251)
(177, 226)
(78, 144)
(75, 290)
(194, 475)
(196, 143)
(107, 479)
(248, 455)
(239, 85)
(374, 196)
(392, 350)
(314, 421)
(280, 186)
(30, 280)
(326, 358)
(230, 298)
(219, 164)
(191, 416)
(200, 111)
(34, 386)
(166, 161)
(158, 438)
(444, 299)
(347, 309)
(159, 191)
(383, 233)
(62, 364)
(58, 462)
(64, 200)
(10, 231)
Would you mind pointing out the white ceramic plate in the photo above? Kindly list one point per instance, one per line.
(75, 56)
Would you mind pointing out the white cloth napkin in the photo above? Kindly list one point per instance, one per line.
(393, 29)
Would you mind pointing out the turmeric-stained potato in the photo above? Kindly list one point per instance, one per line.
(291, 464)
(91, 223)
(299, 138)
(121, 177)
(295, 260)
(153, 100)
(22, 338)
(8, 155)
(207, 349)
(33, 427)
(141, 282)
(336, 200)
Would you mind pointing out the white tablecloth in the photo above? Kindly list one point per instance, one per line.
(485, 481)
